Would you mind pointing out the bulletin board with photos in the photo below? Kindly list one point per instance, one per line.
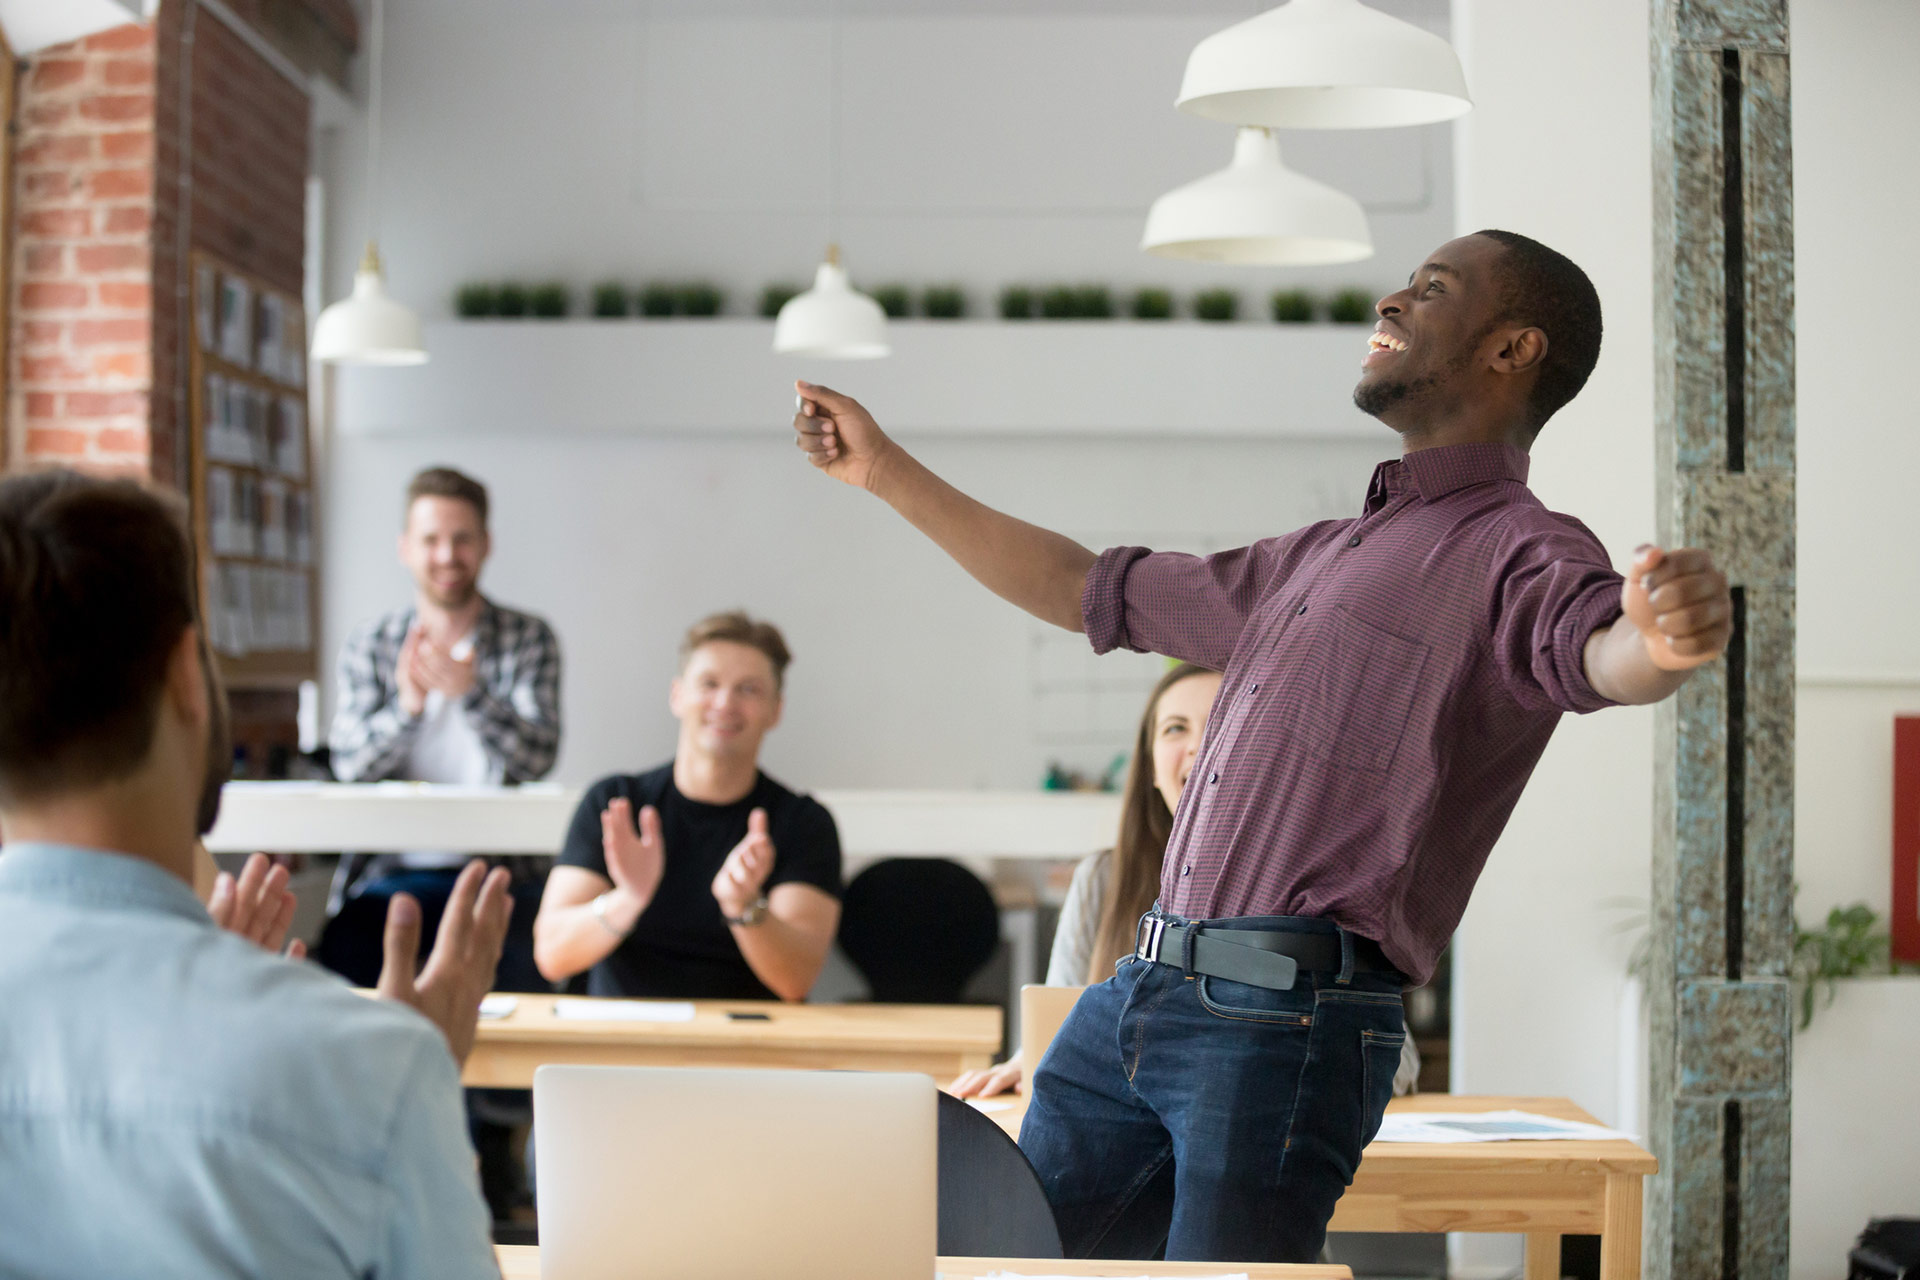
(252, 477)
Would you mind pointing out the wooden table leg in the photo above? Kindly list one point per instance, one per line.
(1620, 1237)
(1543, 1255)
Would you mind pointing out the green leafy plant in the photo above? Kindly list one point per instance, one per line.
(659, 299)
(943, 302)
(611, 299)
(1059, 302)
(510, 300)
(894, 299)
(1216, 304)
(1292, 306)
(1151, 304)
(1093, 302)
(776, 296)
(548, 301)
(700, 299)
(475, 300)
(1016, 302)
(1351, 306)
(1845, 948)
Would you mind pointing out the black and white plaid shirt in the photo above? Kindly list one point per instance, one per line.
(514, 704)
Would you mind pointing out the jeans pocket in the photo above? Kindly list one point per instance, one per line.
(1379, 1061)
(1244, 1002)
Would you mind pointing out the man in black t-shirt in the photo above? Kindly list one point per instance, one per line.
(703, 878)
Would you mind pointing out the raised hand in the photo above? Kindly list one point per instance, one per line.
(1681, 605)
(465, 954)
(737, 886)
(439, 669)
(407, 676)
(837, 435)
(258, 906)
(636, 856)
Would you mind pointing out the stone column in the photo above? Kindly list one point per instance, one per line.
(1722, 895)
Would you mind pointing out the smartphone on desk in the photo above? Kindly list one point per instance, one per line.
(750, 1017)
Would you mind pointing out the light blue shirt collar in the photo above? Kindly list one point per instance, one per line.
(95, 877)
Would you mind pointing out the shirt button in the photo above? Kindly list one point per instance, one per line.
(1301, 611)
(1184, 870)
(1212, 778)
(1256, 687)
(1354, 541)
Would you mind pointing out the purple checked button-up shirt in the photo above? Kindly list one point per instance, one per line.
(1391, 681)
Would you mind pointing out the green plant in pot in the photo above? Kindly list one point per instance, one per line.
(894, 299)
(1016, 302)
(943, 302)
(511, 300)
(1151, 304)
(611, 300)
(548, 301)
(1216, 304)
(1351, 306)
(1292, 306)
(1059, 302)
(776, 296)
(1093, 302)
(476, 300)
(701, 299)
(1846, 948)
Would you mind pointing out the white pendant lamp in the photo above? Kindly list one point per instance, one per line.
(368, 327)
(832, 319)
(1256, 210)
(1324, 64)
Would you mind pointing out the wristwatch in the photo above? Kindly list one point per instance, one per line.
(600, 914)
(756, 912)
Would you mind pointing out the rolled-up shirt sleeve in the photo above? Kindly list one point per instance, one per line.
(1556, 589)
(1188, 607)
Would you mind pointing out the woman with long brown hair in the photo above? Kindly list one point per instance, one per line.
(1112, 889)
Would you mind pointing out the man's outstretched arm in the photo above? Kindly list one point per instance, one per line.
(1677, 615)
(1037, 569)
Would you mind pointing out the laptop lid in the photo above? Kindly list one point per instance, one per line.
(694, 1174)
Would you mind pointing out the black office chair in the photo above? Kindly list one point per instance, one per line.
(991, 1201)
(918, 929)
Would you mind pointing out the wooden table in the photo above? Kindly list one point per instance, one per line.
(940, 1040)
(522, 1262)
(1543, 1190)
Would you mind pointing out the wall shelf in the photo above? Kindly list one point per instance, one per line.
(1060, 377)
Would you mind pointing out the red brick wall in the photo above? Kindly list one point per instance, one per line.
(99, 356)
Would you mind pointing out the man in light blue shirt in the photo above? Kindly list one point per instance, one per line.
(174, 1100)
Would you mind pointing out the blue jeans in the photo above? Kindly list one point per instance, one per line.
(1217, 1119)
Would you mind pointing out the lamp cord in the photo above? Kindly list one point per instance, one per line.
(833, 122)
(373, 122)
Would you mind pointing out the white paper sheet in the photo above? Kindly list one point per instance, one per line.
(989, 1104)
(624, 1010)
(1488, 1126)
(1021, 1275)
(498, 1006)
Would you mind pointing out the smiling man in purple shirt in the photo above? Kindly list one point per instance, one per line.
(1390, 682)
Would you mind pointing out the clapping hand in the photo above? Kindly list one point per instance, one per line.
(1681, 605)
(437, 668)
(737, 886)
(258, 906)
(636, 856)
(465, 953)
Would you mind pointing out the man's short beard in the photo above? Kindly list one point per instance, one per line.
(457, 599)
(1376, 398)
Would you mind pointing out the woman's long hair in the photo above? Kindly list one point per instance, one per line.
(1145, 824)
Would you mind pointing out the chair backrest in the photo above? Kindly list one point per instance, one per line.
(1042, 1010)
(991, 1201)
(918, 929)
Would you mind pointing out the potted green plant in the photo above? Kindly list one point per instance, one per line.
(1093, 302)
(476, 300)
(548, 301)
(510, 300)
(1016, 302)
(1351, 306)
(943, 302)
(700, 299)
(776, 296)
(1292, 306)
(1845, 948)
(894, 300)
(1151, 304)
(611, 300)
(1059, 302)
(659, 299)
(1216, 304)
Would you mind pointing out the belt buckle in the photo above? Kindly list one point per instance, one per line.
(1147, 936)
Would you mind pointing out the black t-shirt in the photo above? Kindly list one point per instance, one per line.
(681, 947)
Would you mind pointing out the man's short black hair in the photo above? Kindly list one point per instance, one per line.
(1546, 290)
(96, 588)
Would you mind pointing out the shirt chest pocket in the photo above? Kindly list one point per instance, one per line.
(1359, 690)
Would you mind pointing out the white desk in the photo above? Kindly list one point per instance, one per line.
(325, 817)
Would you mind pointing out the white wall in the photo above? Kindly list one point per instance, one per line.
(1558, 147)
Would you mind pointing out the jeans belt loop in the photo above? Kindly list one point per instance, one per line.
(1186, 948)
(1346, 958)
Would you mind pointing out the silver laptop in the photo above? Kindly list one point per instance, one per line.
(681, 1174)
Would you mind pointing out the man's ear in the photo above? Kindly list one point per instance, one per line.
(186, 690)
(1519, 350)
(779, 709)
(673, 697)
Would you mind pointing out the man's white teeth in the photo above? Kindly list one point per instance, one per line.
(1385, 341)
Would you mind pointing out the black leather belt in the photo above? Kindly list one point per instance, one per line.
(1259, 957)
